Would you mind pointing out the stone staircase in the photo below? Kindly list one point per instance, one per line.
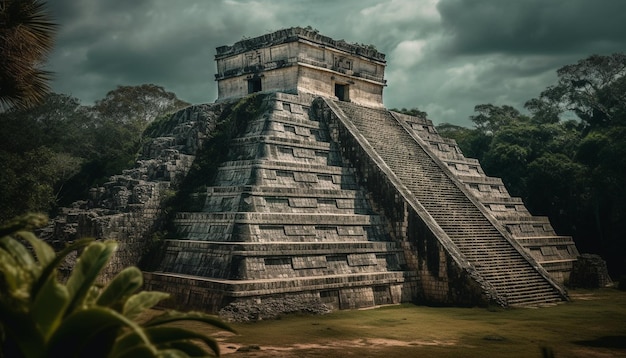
(503, 264)
(555, 253)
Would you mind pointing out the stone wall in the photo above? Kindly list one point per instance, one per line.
(322, 83)
(300, 61)
(294, 34)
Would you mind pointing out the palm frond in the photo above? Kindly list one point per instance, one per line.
(26, 38)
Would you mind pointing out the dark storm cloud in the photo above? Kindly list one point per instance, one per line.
(85, 22)
(534, 26)
(443, 56)
(144, 59)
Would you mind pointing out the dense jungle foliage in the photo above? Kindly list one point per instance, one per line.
(53, 152)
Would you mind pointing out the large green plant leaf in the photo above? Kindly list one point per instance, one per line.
(142, 301)
(50, 269)
(173, 316)
(172, 353)
(21, 255)
(42, 317)
(21, 330)
(45, 253)
(121, 287)
(139, 351)
(162, 336)
(24, 222)
(49, 306)
(15, 283)
(84, 327)
(86, 271)
(187, 348)
(166, 338)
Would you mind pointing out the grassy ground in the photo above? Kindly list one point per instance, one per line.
(592, 325)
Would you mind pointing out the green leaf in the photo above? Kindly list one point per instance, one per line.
(85, 327)
(140, 351)
(24, 222)
(20, 328)
(18, 267)
(188, 347)
(92, 295)
(14, 277)
(164, 335)
(126, 343)
(91, 262)
(122, 286)
(173, 316)
(49, 306)
(50, 269)
(173, 353)
(142, 301)
(167, 338)
(21, 255)
(101, 344)
(45, 253)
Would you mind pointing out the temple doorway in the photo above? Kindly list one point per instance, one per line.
(341, 92)
(254, 85)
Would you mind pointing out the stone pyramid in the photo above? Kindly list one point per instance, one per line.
(308, 195)
(323, 199)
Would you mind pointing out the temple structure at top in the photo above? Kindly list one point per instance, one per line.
(298, 61)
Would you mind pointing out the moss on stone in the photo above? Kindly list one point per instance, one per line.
(232, 122)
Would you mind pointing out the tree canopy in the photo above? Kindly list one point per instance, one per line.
(53, 152)
(26, 37)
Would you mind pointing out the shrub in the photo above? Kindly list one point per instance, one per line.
(42, 317)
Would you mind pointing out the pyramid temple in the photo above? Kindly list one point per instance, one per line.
(319, 196)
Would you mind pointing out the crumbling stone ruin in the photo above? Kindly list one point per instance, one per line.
(590, 271)
(320, 197)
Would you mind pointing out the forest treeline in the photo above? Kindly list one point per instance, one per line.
(564, 155)
(53, 152)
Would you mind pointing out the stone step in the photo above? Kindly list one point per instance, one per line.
(278, 218)
(251, 288)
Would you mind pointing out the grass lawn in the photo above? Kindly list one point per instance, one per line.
(593, 324)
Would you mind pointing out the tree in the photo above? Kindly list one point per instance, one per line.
(557, 186)
(603, 153)
(58, 122)
(43, 146)
(594, 89)
(116, 124)
(140, 104)
(490, 118)
(54, 151)
(42, 317)
(32, 180)
(26, 38)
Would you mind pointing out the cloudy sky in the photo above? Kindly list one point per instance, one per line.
(443, 56)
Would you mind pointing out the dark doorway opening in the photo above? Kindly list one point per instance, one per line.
(341, 92)
(254, 85)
